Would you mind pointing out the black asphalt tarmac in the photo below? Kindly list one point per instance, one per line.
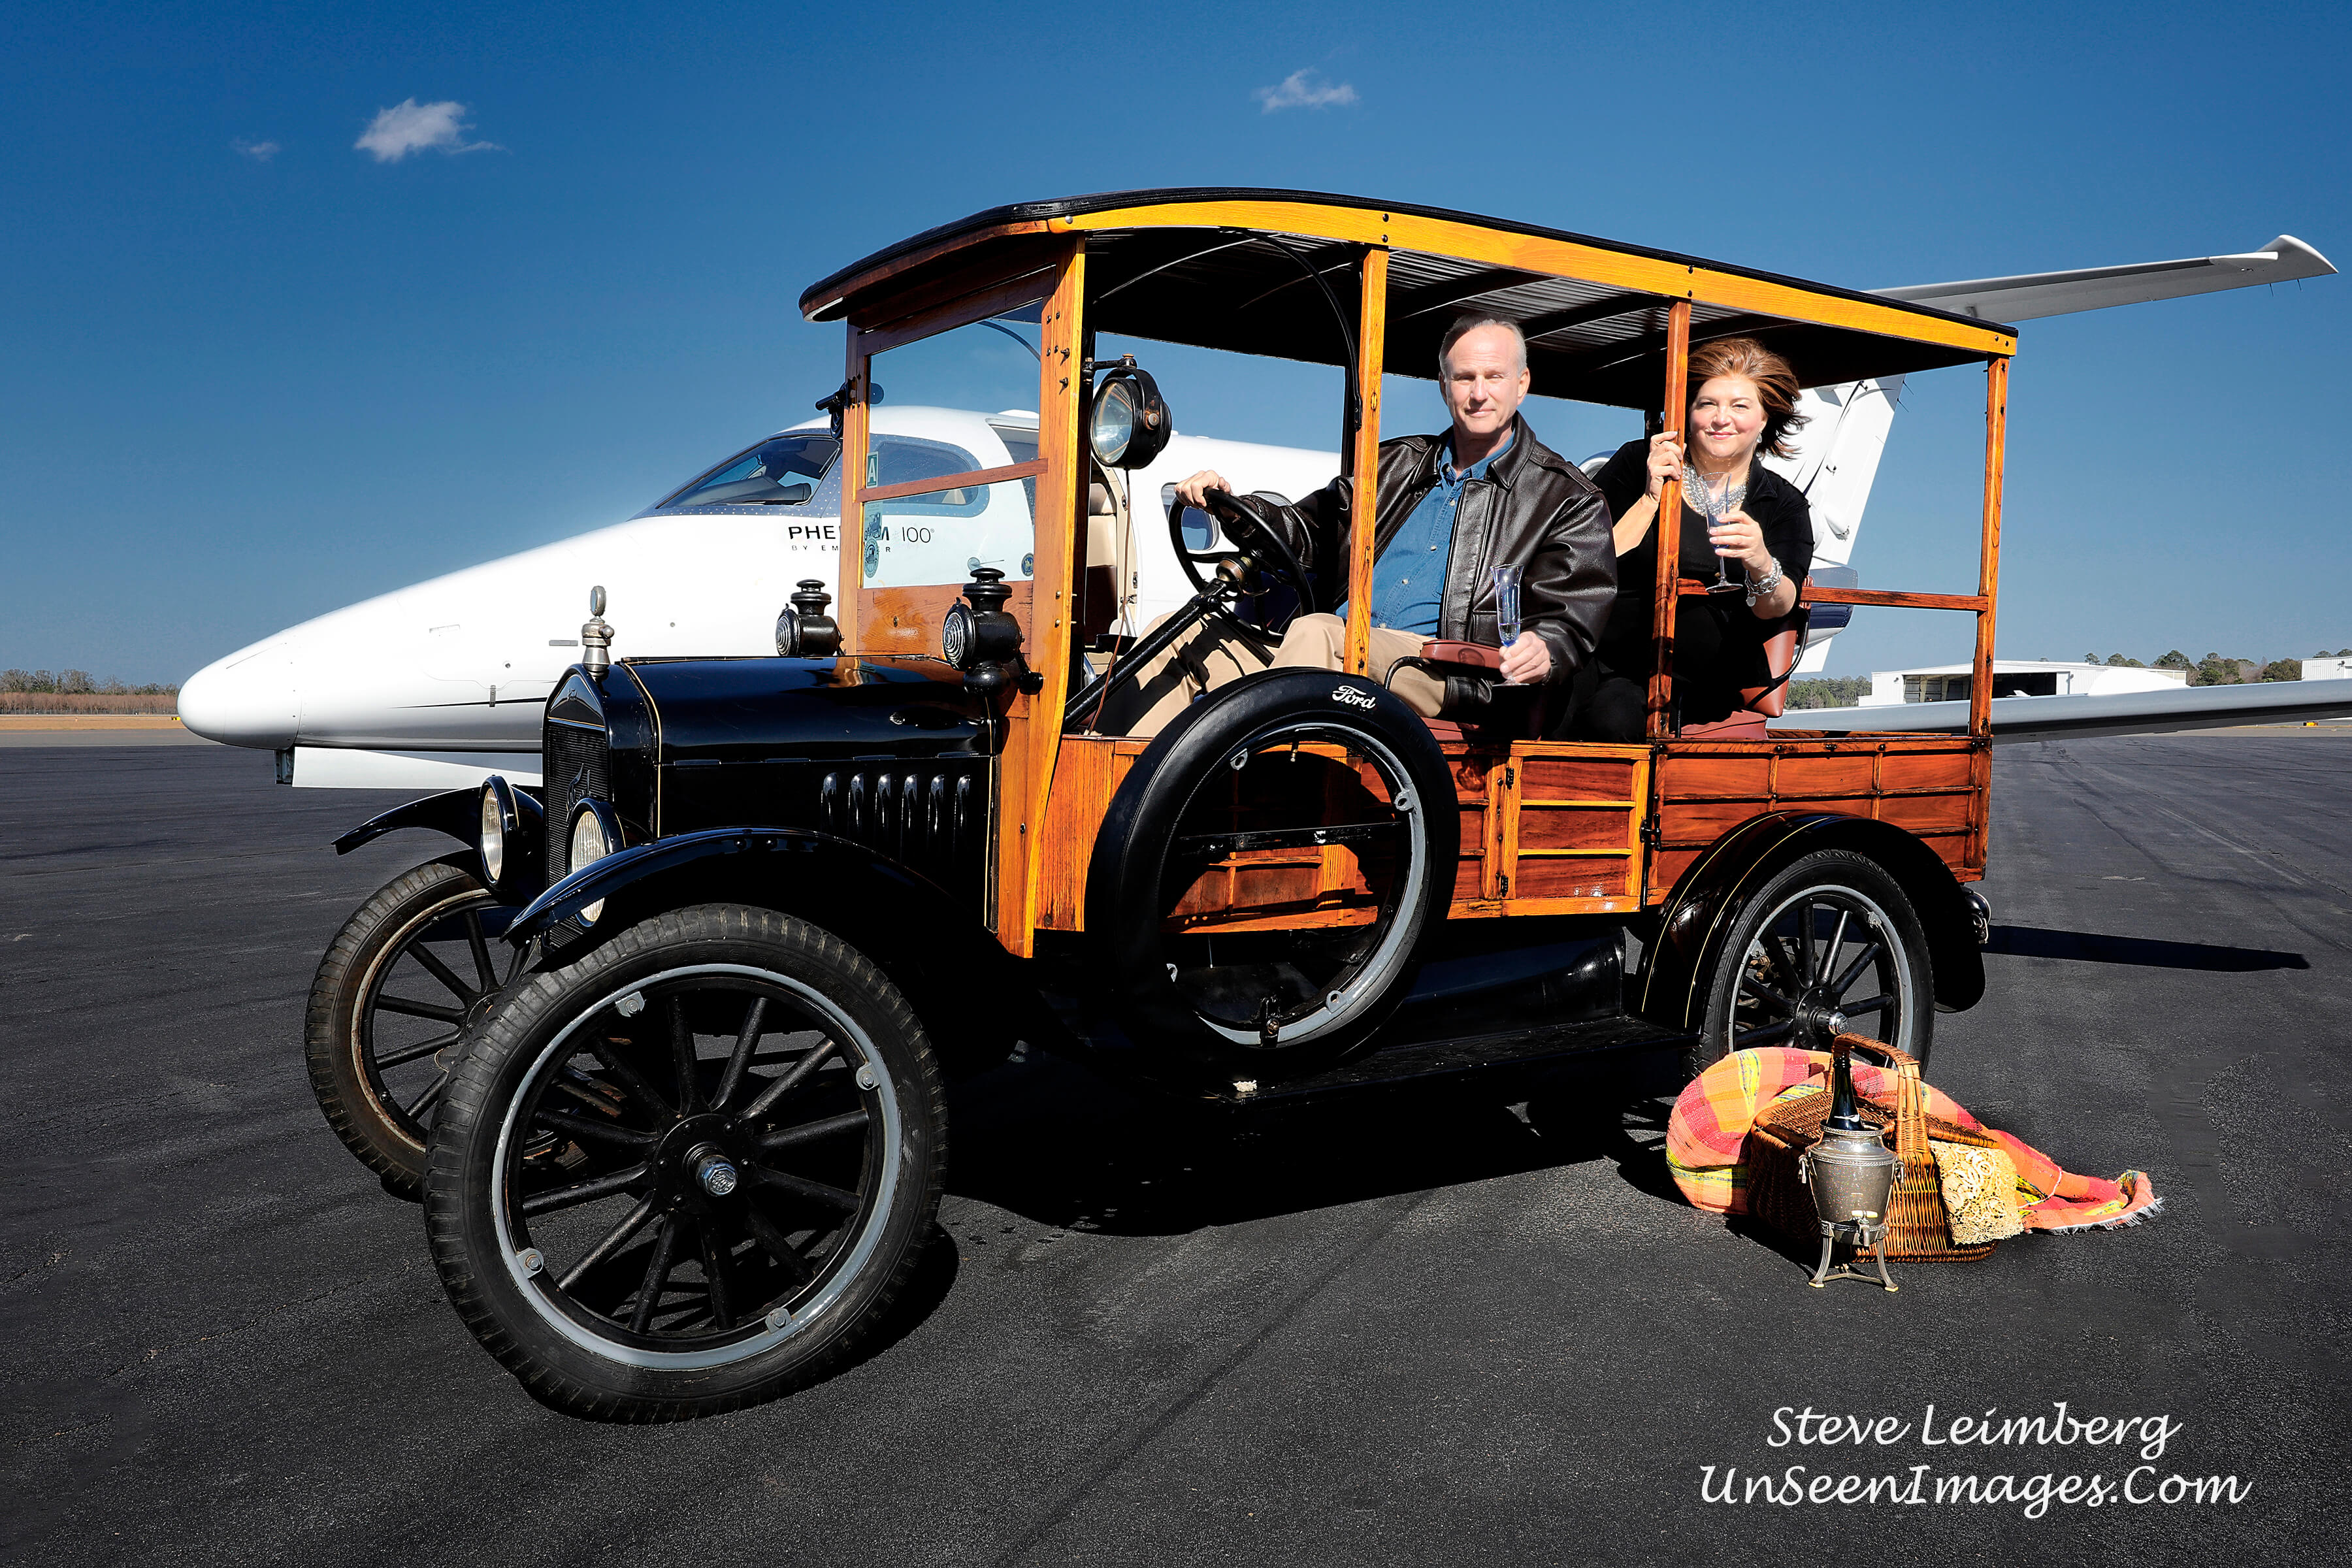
(1443, 1330)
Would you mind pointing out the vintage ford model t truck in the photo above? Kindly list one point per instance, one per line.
(680, 1144)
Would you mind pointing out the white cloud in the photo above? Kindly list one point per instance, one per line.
(259, 152)
(413, 127)
(1304, 90)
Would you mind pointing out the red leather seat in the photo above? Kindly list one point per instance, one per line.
(1759, 703)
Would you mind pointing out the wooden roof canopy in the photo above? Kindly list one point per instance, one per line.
(1222, 269)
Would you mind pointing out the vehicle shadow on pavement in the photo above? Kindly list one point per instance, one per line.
(1049, 1141)
(2089, 947)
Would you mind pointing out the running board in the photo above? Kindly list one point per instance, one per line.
(1416, 1065)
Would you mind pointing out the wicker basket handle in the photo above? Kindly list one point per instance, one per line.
(1901, 1061)
(1910, 1101)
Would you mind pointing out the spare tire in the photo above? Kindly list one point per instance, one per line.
(1266, 873)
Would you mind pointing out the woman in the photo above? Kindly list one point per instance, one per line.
(1743, 404)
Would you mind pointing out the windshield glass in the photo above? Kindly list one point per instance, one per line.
(783, 470)
(943, 535)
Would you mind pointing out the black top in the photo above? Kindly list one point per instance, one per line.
(1236, 291)
(817, 302)
(1779, 509)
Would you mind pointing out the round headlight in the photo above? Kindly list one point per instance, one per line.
(788, 635)
(594, 834)
(1127, 424)
(1112, 429)
(955, 633)
(494, 834)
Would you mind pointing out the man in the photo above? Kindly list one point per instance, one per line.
(1449, 510)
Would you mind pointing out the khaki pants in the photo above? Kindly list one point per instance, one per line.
(1171, 682)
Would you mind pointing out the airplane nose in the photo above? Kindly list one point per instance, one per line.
(245, 700)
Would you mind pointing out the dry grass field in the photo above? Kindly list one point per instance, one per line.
(96, 702)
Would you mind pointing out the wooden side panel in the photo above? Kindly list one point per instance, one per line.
(1087, 774)
(1822, 777)
(1942, 769)
(1564, 831)
(1471, 770)
(907, 620)
(1930, 786)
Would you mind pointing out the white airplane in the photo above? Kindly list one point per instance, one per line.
(438, 684)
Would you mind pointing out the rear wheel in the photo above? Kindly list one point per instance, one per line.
(1829, 943)
(389, 1006)
(689, 1172)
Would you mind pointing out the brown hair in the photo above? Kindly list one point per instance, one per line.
(1776, 385)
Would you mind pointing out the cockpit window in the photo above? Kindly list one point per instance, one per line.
(785, 470)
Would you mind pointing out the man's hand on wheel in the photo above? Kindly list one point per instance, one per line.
(1192, 492)
(1528, 660)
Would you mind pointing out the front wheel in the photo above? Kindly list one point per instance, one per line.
(687, 1173)
(1829, 943)
(409, 973)
(1262, 879)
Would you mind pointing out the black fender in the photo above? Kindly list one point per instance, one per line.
(1709, 898)
(1130, 848)
(932, 944)
(456, 811)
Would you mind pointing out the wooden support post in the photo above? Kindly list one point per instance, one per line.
(851, 577)
(1033, 723)
(1989, 590)
(1668, 529)
(1371, 329)
(1988, 555)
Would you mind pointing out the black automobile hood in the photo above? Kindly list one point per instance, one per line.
(761, 709)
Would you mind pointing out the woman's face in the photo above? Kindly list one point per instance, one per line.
(1727, 417)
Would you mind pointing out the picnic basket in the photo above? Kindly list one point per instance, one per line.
(1918, 1226)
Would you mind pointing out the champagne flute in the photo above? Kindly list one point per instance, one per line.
(1507, 603)
(1719, 498)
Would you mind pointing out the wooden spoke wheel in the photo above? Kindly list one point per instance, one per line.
(412, 970)
(686, 1173)
(1829, 944)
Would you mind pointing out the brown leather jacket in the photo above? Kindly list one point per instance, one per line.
(1534, 507)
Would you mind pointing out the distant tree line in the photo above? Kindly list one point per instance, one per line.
(1846, 690)
(1829, 691)
(75, 683)
(2215, 671)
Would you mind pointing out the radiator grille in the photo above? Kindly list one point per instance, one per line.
(573, 768)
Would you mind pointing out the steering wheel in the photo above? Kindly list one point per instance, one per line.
(1246, 530)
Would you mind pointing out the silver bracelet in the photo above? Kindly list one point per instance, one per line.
(1771, 579)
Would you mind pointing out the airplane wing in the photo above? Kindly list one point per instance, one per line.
(2035, 294)
(2077, 718)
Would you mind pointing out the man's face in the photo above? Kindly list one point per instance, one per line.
(1484, 382)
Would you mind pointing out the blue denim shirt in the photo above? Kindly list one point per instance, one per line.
(1409, 579)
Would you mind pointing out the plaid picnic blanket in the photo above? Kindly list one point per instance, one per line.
(1708, 1133)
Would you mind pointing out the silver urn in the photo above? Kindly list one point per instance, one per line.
(1851, 1174)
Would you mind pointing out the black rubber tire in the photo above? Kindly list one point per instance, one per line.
(1129, 889)
(1836, 880)
(536, 1331)
(339, 1027)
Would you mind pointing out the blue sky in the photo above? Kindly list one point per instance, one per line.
(253, 371)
